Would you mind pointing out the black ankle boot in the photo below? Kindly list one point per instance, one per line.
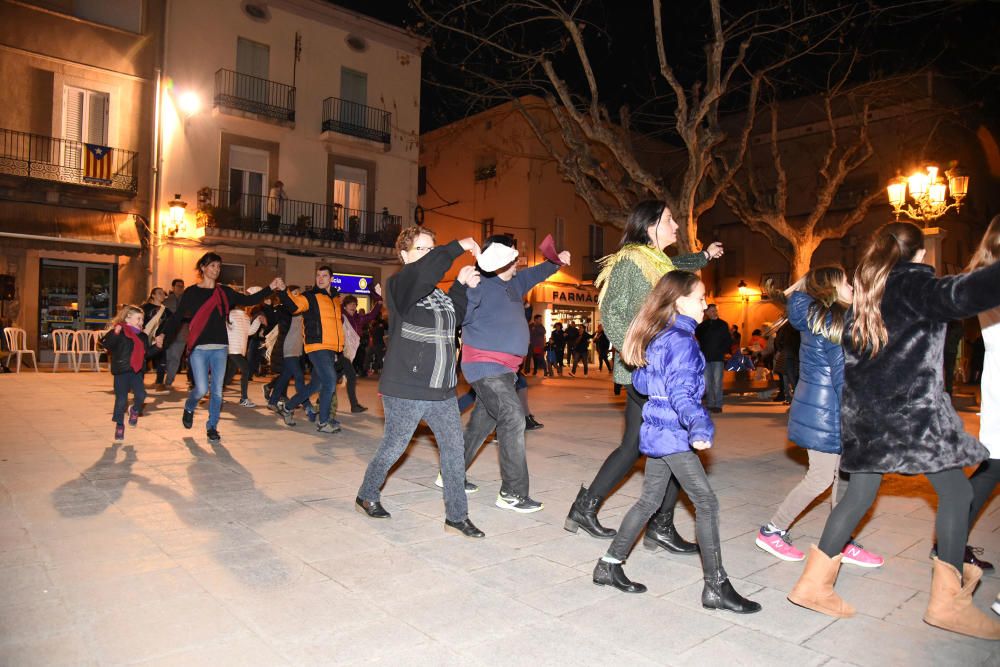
(661, 533)
(612, 574)
(583, 514)
(721, 595)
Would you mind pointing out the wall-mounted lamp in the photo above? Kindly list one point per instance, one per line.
(189, 103)
(176, 224)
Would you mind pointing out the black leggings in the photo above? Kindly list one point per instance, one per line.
(952, 525)
(620, 462)
(983, 481)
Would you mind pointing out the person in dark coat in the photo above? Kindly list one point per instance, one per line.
(818, 312)
(896, 418)
(128, 349)
(715, 342)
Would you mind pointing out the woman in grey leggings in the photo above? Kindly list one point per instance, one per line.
(418, 380)
(897, 418)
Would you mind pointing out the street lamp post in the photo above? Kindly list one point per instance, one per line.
(745, 296)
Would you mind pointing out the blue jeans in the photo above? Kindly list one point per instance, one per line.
(323, 380)
(291, 368)
(713, 384)
(129, 381)
(498, 408)
(204, 362)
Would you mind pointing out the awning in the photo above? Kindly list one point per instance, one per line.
(29, 224)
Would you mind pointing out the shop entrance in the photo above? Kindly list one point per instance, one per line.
(73, 295)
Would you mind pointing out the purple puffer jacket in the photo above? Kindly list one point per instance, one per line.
(674, 380)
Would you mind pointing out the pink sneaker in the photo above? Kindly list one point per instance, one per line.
(855, 554)
(778, 544)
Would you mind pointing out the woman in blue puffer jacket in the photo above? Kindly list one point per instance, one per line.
(819, 313)
(671, 371)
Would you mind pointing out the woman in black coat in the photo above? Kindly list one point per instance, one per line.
(896, 418)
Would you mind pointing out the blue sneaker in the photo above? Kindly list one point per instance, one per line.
(311, 414)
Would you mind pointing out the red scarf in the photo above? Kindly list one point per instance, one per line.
(217, 301)
(138, 357)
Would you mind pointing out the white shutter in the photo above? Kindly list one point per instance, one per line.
(97, 118)
(73, 114)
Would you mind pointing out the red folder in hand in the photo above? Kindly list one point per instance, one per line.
(548, 249)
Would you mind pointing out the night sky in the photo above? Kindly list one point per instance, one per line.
(957, 38)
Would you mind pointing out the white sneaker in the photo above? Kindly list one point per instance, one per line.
(996, 605)
(520, 505)
(247, 403)
(470, 488)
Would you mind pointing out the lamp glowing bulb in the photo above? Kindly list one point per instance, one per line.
(189, 103)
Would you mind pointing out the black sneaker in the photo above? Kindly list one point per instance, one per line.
(358, 408)
(213, 435)
(525, 505)
(267, 393)
(188, 419)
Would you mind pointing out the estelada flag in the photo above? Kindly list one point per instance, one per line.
(97, 164)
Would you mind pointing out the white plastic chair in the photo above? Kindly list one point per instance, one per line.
(87, 344)
(17, 343)
(64, 343)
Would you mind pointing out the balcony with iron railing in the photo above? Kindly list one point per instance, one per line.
(356, 120)
(38, 157)
(294, 219)
(268, 100)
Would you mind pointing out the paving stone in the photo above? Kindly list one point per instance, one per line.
(738, 647)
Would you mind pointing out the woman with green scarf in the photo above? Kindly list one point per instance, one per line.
(625, 281)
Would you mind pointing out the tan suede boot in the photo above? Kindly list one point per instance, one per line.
(814, 589)
(951, 605)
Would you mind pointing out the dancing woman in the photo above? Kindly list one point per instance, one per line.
(206, 307)
(819, 312)
(897, 418)
(418, 379)
(625, 281)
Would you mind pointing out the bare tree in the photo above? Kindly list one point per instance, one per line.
(596, 149)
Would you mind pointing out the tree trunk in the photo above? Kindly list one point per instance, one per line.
(802, 258)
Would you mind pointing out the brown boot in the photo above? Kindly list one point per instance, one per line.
(951, 605)
(814, 589)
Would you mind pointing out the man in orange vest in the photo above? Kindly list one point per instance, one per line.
(323, 335)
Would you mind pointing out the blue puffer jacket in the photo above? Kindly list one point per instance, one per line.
(674, 380)
(814, 420)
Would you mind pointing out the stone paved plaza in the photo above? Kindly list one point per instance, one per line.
(169, 551)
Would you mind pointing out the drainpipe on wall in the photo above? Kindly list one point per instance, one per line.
(156, 163)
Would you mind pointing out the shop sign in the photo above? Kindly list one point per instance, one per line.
(563, 294)
(349, 283)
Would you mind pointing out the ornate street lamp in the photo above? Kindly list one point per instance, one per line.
(177, 224)
(928, 193)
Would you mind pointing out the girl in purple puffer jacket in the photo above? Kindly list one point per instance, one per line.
(670, 370)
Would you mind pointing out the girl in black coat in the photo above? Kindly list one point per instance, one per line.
(128, 348)
(897, 418)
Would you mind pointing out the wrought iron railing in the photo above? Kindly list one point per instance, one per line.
(67, 161)
(254, 95)
(357, 120)
(230, 209)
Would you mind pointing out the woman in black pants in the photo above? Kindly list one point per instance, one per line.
(897, 418)
(626, 279)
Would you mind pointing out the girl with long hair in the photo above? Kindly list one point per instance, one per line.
(128, 349)
(985, 479)
(206, 307)
(897, 418)
(670, 371)
(626, 279)
(818, 310)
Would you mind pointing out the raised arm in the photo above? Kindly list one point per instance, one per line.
(954, 297)
(237, 299)
(691, 262)
(525, 280)
(418, 279)
(295, 304)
